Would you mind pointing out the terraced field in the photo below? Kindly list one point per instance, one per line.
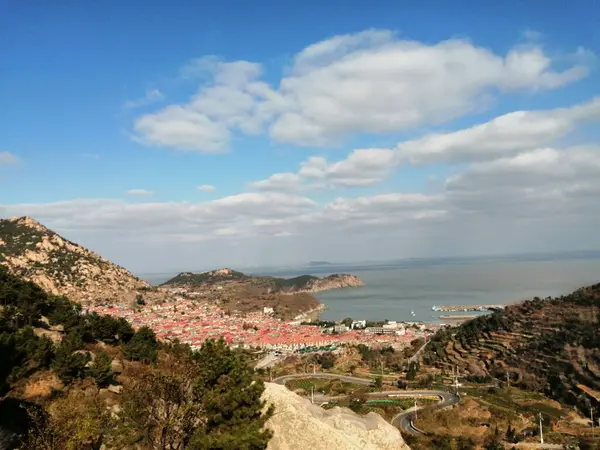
(550, 346)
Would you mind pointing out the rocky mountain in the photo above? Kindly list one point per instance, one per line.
(300, 284)
(31, 251)
(547, 345)
(298, 425)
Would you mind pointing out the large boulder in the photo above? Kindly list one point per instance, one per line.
(298, 425)
(116, 366)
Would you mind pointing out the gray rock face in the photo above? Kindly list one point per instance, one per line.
(299, 425)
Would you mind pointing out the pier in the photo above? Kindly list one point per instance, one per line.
(465, 308)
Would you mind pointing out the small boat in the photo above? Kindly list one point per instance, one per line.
(412, 313)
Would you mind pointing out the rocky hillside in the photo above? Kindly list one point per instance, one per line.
(237, 292)
(550, 345)
(298, 425)
(31, 251)
(303, 283)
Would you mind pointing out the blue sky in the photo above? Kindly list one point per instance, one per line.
(115, 113)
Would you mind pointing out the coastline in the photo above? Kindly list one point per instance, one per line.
(309, 315)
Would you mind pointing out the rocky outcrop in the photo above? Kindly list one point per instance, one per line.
(31, 251)
(335, 281)
(298, 425)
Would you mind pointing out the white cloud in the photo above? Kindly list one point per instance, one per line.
(362, 167)
(505, 135)
(8, 159)
(204, 124)
(368, 82)
(541, 199)
(140, 192)
(375, 83)
(206, 188)
(183, 128)
(285, 181)
(162, 220)
(151, 96)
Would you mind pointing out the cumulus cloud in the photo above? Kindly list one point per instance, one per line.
(206, 188)
(505, 135)
(539, 199)
(204, 124)
(367, 82)
(162, 220)
(8, 159)
(539, 183)
(183, 128)
(375, 83)
(362, 167)
(139, 192)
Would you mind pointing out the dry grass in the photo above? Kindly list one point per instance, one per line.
(41, 385)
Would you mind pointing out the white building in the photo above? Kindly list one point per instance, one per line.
(268, 310)
(358, 324)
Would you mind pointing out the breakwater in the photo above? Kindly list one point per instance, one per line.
(466, 308)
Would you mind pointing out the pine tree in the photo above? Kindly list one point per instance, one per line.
(198, 401)
(68, 363)
(142, 346)
(231, 398)
(101, 370)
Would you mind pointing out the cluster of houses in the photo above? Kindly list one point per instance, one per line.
(193, 322)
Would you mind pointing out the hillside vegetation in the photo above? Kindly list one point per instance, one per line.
(263, 284)
(550, 346)
(83, 381)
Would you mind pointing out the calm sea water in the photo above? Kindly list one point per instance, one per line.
(391, 293)
(393, 290)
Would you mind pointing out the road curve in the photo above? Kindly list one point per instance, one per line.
(404, 420)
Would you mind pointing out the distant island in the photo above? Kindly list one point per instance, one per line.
(319, 263)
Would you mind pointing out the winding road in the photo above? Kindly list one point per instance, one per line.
(402, 421)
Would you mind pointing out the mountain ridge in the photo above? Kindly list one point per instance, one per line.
(270, 284)
(36, 253)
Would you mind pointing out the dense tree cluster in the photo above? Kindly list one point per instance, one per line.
(172, 397)
(384, 357)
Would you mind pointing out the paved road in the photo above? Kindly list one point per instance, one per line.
(284, 379)
(404, 420)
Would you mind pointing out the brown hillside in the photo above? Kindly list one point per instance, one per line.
(551, 346)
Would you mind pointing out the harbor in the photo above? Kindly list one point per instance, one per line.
(467, 308)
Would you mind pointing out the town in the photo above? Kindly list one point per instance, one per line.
(192, 323)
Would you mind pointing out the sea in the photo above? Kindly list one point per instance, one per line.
(406, 290)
